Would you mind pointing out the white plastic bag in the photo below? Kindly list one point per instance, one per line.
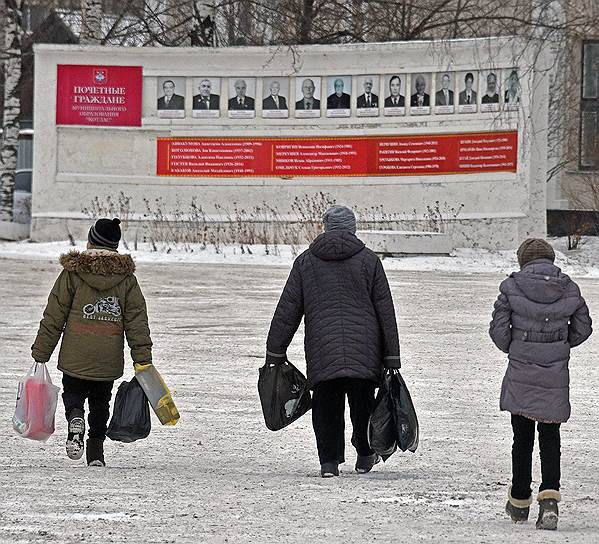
(37, 398)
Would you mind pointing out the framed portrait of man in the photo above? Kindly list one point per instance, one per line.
(367, 102)
(206, 98)
(170, 99)
(445, 93)
(513, 89)
(490, 92)
(420, 98)
(242, 92)
(307, 96)
(339, 96)
(395, 91)
(275, 97)
(468, 94)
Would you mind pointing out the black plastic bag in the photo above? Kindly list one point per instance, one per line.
(131, 416)
(284, 394)
(393, 423)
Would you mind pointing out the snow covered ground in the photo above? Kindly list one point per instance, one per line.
(582, 262)
(221, 476)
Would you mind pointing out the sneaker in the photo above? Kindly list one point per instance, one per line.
(548, 510)
(76, 430)
(329, 470)
(365, 463)
(518, 509)
(95, 452)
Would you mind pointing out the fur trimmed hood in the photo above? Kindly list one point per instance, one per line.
(100, 268)
(93, 261)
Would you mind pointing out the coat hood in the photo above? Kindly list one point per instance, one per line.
(101, 269)
(541, 281)
(336, 245)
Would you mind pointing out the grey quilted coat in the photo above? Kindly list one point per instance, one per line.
(341, 288)
(538, 317)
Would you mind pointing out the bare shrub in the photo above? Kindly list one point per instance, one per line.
(189, 227)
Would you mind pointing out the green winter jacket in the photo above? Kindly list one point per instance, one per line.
(94, 303)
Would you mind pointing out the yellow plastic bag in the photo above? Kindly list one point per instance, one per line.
(158, 393)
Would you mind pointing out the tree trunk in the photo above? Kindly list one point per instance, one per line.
(12, 107)
(91, 22)
(306, 22)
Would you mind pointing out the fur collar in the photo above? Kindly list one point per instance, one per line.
(104, 263)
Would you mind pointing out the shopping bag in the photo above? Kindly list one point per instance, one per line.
(393, 423)
(284, 394)
(131, 415)
(36, 404)
(157, 392)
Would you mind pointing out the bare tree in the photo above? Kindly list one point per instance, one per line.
(12, 104)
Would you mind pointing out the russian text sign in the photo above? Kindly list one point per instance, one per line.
(98, 95)
(430, 154)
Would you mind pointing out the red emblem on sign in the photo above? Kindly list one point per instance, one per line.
(100, 76)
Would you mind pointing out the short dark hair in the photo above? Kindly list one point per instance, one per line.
(168, 81)
(469, 75)
(395, 77)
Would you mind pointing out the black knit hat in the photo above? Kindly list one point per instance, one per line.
(105, 233)
(534, 248)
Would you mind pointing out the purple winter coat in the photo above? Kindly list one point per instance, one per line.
(539, 315)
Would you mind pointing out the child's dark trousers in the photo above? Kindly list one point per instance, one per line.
(524, 441)
(98, 395)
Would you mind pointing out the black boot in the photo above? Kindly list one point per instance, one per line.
(365, 463)
(329, 470)
(548, 510)
(76, 430)
(95, 452)
(518, 509)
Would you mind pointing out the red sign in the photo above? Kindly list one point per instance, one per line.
(98, 95)
(431, 154)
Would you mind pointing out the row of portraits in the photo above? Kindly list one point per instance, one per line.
(464, 92)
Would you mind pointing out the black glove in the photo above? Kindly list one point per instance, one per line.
(392, 361)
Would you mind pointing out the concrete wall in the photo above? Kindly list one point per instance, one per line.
(73, 164)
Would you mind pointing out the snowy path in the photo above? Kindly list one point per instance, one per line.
(220, 476)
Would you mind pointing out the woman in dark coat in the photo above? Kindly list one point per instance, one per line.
(539, 315)
(340, 288)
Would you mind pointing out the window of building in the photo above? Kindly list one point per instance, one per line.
(589, 119)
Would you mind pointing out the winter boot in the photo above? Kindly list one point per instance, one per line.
(95, 452)
(76, 430)
(518, 509)
(548, 510)
(365, 463)
(329, 470)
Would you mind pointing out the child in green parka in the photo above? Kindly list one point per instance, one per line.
(95, 302)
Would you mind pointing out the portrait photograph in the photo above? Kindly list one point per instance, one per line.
(445, 93)
(170, 100)
(206, 97)
(275, 97)
(395, 94)
(242, 93)
(367, 102)
(513, 90)
(420, 98)
(468, 94)
(490, 91)
(339, 96)
(307, 96)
